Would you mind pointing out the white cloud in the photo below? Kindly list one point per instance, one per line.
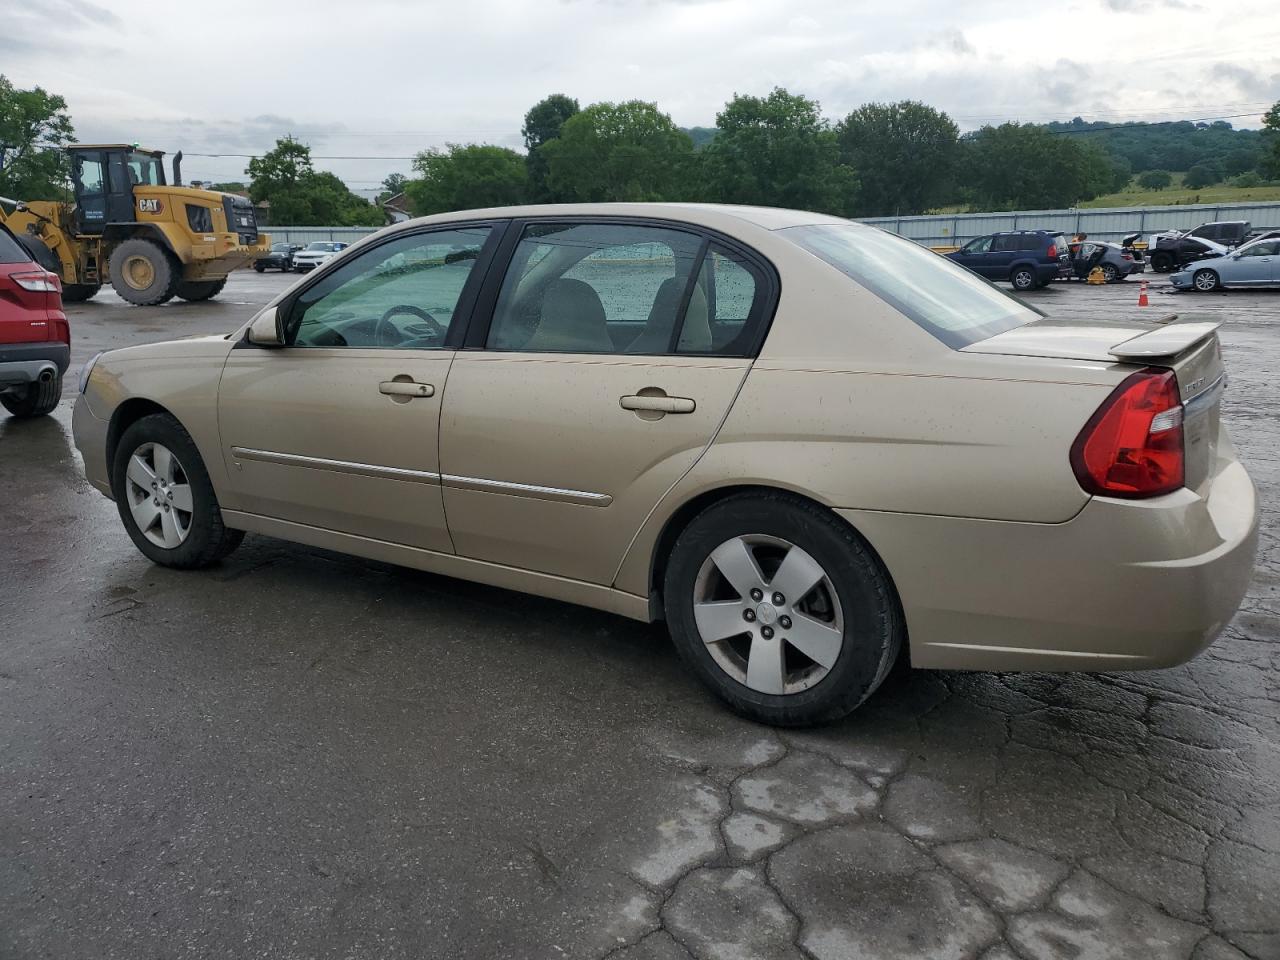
(388, 78)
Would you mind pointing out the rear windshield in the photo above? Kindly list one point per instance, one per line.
(10, 250)
(956, 306)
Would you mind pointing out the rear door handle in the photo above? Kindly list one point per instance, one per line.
(658, 404)
(406, 388)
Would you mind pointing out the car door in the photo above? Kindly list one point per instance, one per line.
(1254, 266)
(974, 255)
(613, 353)
(338, 429)
(1004, 250)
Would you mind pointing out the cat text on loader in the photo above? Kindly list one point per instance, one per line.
(152, 240)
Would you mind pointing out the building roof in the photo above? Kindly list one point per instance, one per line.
(399, 203)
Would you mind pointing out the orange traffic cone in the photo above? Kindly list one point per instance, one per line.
(1142, 295)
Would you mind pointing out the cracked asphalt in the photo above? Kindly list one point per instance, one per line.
(299, 754)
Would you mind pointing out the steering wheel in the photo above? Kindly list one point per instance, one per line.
(384, 326)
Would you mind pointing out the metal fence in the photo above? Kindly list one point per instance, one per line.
(1110, 223)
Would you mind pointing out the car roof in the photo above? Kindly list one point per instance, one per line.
(713, 215)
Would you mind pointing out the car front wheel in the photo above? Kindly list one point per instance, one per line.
(165, 497)
(1206, 281)
(781, 609)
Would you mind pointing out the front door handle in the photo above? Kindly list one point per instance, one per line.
(406, 388)
(657, 404)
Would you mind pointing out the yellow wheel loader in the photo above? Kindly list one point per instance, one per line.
(151, 240)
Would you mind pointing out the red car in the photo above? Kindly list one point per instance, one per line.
(35, 340)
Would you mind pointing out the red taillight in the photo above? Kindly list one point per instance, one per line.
(39, 281)
(1132, 447)
(1053, 251)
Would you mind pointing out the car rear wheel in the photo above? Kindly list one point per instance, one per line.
(165, 497)
(1206, 281)
(1024, 278)
(1109, 273)
(260, 268)
(1161, 262)
(781, 609)
(35, 400)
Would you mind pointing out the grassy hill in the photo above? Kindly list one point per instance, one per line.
(1135, 196)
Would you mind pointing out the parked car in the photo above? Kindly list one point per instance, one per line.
(35, 338)
(279, 258)
(789, 436)
(1114, 260)
(316, 253)
(1263, 233)
(1026, 258)
(1172, 249)
(1256, 264)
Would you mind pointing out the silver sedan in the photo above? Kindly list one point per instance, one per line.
(1255, 264)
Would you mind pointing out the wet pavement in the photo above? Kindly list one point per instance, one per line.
(300, 754)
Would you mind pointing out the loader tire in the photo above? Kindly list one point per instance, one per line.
(144, 273)
(79, 292)
(195, 290)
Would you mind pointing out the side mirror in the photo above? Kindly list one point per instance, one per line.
(267, 329)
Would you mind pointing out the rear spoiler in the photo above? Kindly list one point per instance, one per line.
(1165, 342)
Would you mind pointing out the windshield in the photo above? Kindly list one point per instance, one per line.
(947, 300)
(280, 247)
(145, 169)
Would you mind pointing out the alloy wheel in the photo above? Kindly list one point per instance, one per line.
(1206, 280)
(159, 495)
(768, 613)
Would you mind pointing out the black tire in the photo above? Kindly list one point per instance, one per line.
(873, 627)
(1161, 262)
(1024, 278)
(79, 292)
(260, 268)
(1206, 281)
(1110, 274)
(36, 400)
(142, 287)
(197, 290)
(207, 540)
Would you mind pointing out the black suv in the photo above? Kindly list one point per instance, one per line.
(280, 258)
(1026, 258)
(1168, 251)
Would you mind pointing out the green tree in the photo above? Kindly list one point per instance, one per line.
(394, 183)
(301, 196)
(1026, 167)
(34, 124)
(464, 176)
(777, 151)
(1155, 179)
(1270, 166)
(1203, 175)
(542, 123)
(628, 151)
(904, 154)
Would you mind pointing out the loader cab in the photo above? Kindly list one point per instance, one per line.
(103, 177)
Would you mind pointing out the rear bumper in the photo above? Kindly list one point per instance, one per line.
(22, 363)
(1124, 585)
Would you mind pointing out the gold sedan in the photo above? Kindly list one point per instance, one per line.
(806, 444)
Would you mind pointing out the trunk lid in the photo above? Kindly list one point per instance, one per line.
(1190, 348)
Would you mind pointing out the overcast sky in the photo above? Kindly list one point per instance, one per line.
(387, 78)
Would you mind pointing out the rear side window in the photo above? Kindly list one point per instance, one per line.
(10, 250)
(1006, 242)
(1029, 241)
(947, 300)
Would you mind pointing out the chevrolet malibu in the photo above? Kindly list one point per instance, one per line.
(805, 444)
